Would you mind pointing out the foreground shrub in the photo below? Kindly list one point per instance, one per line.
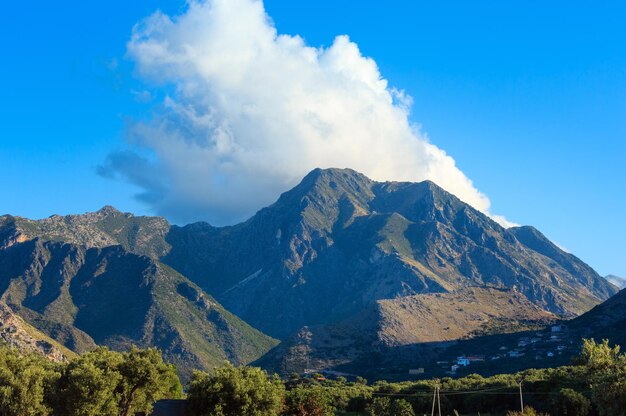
(570, 403)
(528, 411)
(384, 406)
(235, 391)
(308, 401)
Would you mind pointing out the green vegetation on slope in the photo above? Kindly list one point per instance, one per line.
(18, 333)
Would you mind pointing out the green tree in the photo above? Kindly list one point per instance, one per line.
(105, 382)
(597, 356)
(24, 382)
(609, 395)
(234, 391)
(88, 386)
(384, 406)
(401, 407)
(606, 372)
(145, 378)
(361, 380)
(308, 401)
(379, 406)
(570, 403)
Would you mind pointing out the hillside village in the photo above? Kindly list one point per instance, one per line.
(539, 346)
(542, 348)
(549, 347)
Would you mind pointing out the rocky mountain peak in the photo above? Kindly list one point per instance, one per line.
(325, 185)
(108, 210)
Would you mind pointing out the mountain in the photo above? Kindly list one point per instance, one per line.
(338, 251)
(338, 242)
(82, 297)
(617, 280)
(387, 340)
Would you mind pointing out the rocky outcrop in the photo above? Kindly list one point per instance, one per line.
(15, 332)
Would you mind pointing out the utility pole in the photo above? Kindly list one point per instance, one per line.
(521, 398)
(438, 401)
(434, 398)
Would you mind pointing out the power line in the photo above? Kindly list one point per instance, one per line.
(443, 392)
(492, 392)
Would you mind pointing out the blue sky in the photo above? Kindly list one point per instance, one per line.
(530, 101)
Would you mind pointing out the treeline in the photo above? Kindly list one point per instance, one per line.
(107, 383)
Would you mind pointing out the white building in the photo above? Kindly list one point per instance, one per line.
(463, 361)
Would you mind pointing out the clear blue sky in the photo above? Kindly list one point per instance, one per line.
(529, 99)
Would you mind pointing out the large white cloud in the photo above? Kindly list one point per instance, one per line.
(250, 111)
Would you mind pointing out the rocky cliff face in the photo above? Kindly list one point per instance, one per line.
(106, 227)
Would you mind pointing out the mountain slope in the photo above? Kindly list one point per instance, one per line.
(84, 297)
(605, 321)
(416, 326)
